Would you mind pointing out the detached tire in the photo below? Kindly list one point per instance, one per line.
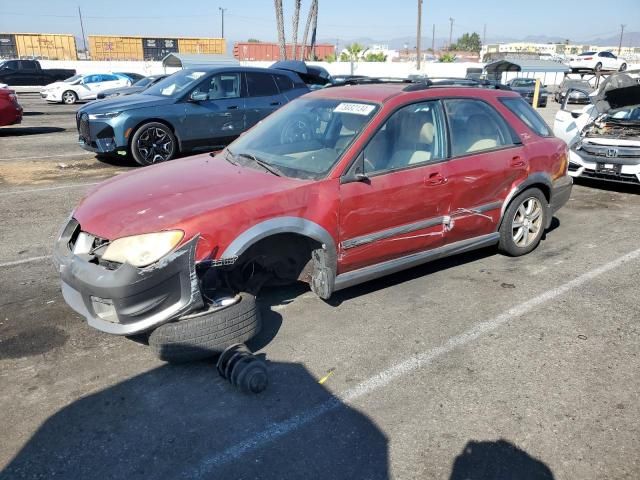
(523, 223)
(206, 334)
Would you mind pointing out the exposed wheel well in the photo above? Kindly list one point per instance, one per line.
(278, 259)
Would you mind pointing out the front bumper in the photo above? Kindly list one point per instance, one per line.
(616, 169)
(127, 300)
(98, 136)
(52, 96)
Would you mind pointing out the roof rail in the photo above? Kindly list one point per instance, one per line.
(369, 80)
(455, 82)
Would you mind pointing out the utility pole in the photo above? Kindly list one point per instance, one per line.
(484, 34)
(433, 39)
(621, 33)
(84, 39)
(419, 34)
(222, 10)
(450, 32)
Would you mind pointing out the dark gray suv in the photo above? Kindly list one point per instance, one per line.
(193, 109)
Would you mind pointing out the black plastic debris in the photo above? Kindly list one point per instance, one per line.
(243, 369)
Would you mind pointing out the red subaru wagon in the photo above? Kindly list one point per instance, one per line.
(341, 186)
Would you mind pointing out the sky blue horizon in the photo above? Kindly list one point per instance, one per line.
(337, 19)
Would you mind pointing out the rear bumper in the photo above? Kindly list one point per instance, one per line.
(560, 193)
(127, 300)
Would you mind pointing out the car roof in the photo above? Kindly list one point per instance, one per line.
(210, 69)
(383, 92)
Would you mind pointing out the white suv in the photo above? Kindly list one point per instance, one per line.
(598, 61)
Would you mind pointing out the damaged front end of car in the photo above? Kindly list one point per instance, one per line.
(121, 298)
(605, 136)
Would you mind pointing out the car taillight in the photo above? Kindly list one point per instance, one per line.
(13, 97)
(588, 58)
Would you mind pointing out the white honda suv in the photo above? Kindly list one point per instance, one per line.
(597, 61)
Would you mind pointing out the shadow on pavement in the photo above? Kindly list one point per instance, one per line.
(499, 460)
(608, 186)
(184, 421)
(23, 131)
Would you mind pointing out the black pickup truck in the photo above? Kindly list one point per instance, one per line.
(29, 72)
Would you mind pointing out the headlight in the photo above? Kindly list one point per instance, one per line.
(142, 250)
(102, 116)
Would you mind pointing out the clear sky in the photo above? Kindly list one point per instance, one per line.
(337, 19)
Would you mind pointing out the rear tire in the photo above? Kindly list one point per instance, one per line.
(523, 223)
(598, 67)
(205, 334)
(69, 97)
(623, 67)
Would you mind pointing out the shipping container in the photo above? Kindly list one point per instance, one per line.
(254, 51)
(47, 46)
(202, 45)
(105, 47)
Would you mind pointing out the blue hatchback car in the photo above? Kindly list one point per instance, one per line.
(193, 109)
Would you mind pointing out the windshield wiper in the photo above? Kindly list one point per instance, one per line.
(267, 166)
(228, 157)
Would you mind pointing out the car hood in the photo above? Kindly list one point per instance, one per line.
(127, 102)
(123, 90)
(617, 91)
(168, 196)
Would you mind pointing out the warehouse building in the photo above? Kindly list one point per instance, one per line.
(110, 47)
(45, 46)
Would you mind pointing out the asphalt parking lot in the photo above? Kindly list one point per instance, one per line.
(479, 366)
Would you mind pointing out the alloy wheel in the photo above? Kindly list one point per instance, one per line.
(527, 222)
(155, 145)
(69, 98)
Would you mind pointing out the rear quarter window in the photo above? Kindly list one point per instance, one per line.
(527, 114)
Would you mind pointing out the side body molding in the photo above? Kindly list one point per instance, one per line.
(277, 225)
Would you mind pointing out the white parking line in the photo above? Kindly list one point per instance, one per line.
(24, 260)
(44, 189)
(382, 379)
(44, 157)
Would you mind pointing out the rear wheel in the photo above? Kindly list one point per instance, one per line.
(69, 97)
(623, 67)
(523, 223)
(153, 142)
(598, 67)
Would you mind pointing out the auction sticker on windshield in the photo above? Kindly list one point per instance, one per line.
(355, 108)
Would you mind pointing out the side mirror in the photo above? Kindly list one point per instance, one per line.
(198, 96)
(356, 173)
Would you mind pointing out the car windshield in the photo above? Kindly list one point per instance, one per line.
(175, 84)
(143, 82)
(306, 138)
(75, 78)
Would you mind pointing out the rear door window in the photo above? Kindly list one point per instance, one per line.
(528, 115)
(284, 83)
(261, 85)
(475, 127)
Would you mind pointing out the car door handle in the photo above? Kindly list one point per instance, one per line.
(274, 104)
(232, 107)
(517, 162)
(435, 179)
